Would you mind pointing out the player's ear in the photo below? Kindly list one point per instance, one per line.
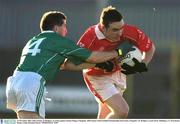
(103, 28)
(55, 28)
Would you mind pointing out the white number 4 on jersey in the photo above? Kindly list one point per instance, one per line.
(33, 48)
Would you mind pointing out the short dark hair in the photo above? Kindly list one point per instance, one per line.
(50, 19)
(109, 15)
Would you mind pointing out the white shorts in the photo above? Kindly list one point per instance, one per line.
(25, 91)
(104, 87)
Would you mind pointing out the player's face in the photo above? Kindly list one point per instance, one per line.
(62, 30)
(114, 31)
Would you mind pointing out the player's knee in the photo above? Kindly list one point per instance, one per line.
(125, 112)
(27, 115)
(122, 112)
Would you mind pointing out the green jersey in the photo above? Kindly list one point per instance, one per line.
(46, 52)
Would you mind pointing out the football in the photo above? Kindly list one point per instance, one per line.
(130, 55)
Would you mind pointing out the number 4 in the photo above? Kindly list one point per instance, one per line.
(33, 48)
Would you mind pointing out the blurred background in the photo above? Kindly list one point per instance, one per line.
(150, 95)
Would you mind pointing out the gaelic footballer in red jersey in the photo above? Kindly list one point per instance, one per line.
(93, 39)
(108, 87)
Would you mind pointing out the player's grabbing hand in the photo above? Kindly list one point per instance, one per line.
(107, 66)
(138, 67)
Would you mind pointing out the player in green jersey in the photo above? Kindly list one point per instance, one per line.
(40, 61)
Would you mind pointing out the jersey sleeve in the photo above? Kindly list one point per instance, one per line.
(70, 50)
(76, 53)
(138, 37)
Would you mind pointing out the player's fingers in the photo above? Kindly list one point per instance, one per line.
(125, 66)
(124, 72)
(135, 60)
(128, 72)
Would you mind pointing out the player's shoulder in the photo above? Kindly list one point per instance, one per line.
(90, 30)
(89, 34)
(130, 30)
(57, 37)
(130, 27)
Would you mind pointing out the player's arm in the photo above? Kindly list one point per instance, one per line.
(71, 50)
(149, 55)
(77, 64)
(98, 57)
(141, 40)
(103, 56)
(85, 55)
(68, 65)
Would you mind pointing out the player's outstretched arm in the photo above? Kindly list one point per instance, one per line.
(85, 55)
(68, 65)
(99, 57)
(95, 56)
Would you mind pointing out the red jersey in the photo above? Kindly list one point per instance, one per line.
(94, 40)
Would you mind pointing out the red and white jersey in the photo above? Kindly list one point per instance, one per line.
(94, 40)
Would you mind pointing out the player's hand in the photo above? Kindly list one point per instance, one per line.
(107, 66)
(138, 67)
(127, 69)
(124, 48)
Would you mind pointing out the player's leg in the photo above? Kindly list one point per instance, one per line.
(103, 111)
(29, 90)
(116, 102)
(93, 83)
(29, 112)
(10, 94)
(109, 109)
(31, 101)
(28, 115)
(118, 106)
(109, 89)
(104, 89)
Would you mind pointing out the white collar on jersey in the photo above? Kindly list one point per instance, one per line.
(99, 34)
(48, 31)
